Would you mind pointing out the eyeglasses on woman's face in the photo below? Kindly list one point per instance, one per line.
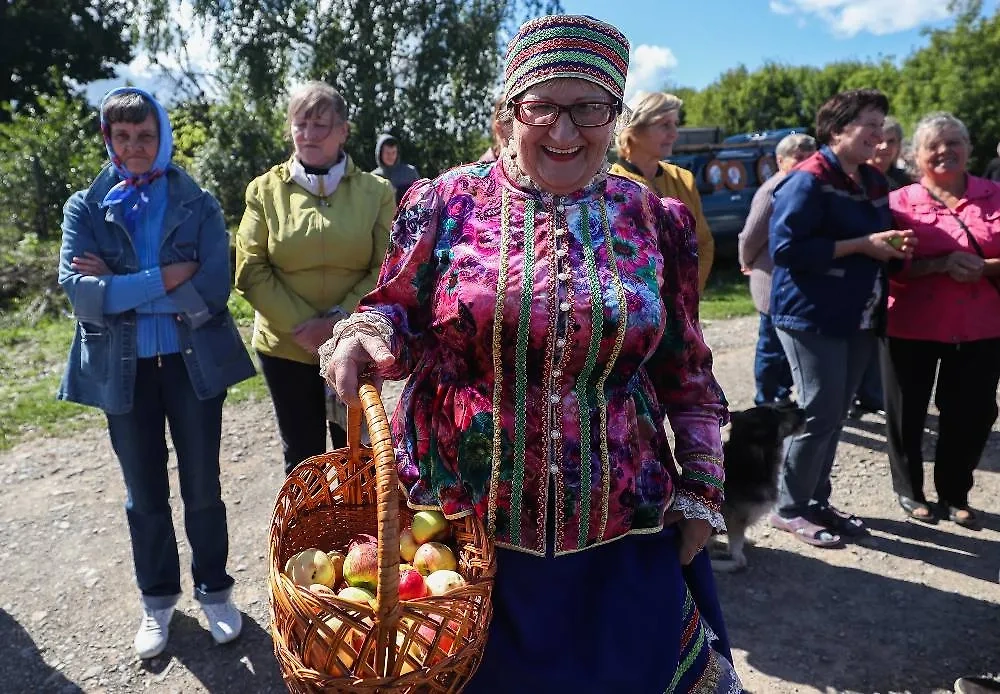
(585, 114)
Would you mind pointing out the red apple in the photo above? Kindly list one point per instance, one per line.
(411, 585)
(361, 566)
(446, 643)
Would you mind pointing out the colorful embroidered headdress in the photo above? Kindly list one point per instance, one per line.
(564, 45)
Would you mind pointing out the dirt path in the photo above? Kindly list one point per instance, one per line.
(907, 611)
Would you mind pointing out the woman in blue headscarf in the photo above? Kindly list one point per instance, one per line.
(145, 263)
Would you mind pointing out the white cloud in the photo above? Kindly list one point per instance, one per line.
(145, 73)
(648, 69)
(847, 18)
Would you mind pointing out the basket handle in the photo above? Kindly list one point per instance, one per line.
(387, 487)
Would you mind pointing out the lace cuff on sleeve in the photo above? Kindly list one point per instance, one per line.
(691, 508)
(369, 322)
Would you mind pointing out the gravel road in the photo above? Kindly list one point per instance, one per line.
(907, 610)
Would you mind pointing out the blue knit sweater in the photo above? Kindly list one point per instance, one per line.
(143, 291)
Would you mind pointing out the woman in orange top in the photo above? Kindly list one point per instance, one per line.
(646, 140)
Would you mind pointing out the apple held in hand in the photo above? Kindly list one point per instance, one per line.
(311, 566)
(896, 242)
(428, 526)
(433, 556)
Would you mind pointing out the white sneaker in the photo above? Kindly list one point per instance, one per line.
(224, 620)
(153, 632)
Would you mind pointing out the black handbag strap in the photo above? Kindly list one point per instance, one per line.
(968, 234)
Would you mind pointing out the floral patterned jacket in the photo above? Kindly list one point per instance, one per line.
(545, 339)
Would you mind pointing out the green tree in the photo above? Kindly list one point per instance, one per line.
(227, 147)
(782, 96)
(45, 47)
(48, 150)
(424, 70)
(957, 72)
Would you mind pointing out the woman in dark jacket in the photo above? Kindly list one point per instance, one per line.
(830, 237)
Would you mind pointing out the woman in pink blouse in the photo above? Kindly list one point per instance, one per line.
(545, 314)
(944, 319)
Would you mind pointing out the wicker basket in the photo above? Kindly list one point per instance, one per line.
(326, 644)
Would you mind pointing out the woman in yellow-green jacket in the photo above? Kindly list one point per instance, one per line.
(309, 247)
(647, 139)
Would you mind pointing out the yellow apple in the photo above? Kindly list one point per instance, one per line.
(311, 566)
(407, 545)
(433, 556)
(359, 595)
(443, 581)
(429, 525)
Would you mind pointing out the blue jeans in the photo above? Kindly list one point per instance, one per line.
(771, 371)
(163, 393)
(827, 372)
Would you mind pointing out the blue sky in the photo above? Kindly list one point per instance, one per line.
(690, 43)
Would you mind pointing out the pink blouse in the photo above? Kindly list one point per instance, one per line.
(936, 307)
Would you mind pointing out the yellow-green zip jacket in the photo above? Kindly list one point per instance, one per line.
(297, 257)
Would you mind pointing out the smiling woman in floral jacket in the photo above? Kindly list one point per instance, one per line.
(546, 314)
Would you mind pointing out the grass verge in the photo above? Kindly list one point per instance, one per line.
(727, 294)
(32, 359)
(33, 356)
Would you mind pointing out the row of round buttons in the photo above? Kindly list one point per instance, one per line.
(563, 275)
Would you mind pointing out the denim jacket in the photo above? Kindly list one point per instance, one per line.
(102, 359)
(815, 206)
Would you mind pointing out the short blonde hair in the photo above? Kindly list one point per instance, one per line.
(646, 110)
(313, 98)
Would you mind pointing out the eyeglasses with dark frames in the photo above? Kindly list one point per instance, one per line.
(585, 114)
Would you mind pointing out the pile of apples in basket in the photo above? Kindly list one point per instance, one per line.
(428, 565)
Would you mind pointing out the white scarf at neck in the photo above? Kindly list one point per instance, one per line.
(322, 186)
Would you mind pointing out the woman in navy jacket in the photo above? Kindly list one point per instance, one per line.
(145, 264)
(830, 238)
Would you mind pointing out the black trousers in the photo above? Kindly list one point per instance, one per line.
(300, 408)
(966, 397)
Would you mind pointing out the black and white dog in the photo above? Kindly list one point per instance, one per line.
(753, 455)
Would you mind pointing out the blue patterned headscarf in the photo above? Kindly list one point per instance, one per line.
(131, 183)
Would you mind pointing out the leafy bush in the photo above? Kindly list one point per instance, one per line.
(47, 152)
(243, 141)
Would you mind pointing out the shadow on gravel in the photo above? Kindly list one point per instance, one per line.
(22, 668)
(870, 433)
(244, 666)
(866, 433)
(935, 545)
(802, 620)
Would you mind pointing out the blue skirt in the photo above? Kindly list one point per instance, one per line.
(623, 617)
